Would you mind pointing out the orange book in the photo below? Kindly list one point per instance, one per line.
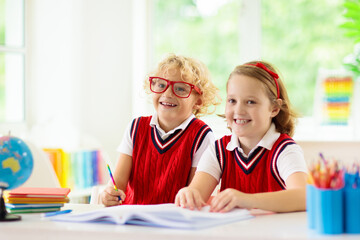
(56, 156)
(41, 200)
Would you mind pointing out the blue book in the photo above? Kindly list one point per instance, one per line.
(95, 168)
(32, 205)
(87, 167)
(80, 169)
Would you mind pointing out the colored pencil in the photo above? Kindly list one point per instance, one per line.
(112, 178)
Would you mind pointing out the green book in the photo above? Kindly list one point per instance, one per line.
(33, 210)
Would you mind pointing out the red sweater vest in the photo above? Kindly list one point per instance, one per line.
(160, 168)
(255, 174)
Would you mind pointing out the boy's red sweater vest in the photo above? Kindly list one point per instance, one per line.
(255, 174)
(160, 168)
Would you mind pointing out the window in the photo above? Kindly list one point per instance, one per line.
(298, 37)
(207, 30)
(12, 57)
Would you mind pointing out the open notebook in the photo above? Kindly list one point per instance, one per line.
(161, 215)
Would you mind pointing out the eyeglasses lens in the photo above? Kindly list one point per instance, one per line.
(158, 85)
(181, 89)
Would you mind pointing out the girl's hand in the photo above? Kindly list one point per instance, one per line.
(229, 199)
(110, 197)
(188, 197)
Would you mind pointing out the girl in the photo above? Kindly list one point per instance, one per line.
(159, 153)
(260, 158)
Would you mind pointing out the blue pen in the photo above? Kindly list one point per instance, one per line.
(50, 214)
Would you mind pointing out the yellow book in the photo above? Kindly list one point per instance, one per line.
(67, 171)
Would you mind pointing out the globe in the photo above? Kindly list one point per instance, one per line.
(16, 162)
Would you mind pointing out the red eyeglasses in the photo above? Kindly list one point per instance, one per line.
(180, 89)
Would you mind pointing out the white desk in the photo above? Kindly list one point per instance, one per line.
(266, 226)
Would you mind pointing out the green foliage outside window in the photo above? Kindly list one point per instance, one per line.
(212, 37)
(352, 28)
(298, 37)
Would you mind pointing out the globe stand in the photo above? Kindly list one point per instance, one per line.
(4, 215)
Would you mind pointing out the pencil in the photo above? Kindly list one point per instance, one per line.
(50, 214)
(112, 178)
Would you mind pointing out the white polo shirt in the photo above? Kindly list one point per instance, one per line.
(126, 146)
(290, 160)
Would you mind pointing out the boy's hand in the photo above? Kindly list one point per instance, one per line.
(189, 198)
(229, 199)
(110, 197)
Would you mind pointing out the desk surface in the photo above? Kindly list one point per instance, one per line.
(263, 226)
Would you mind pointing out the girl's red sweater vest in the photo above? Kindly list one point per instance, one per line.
(255, 174)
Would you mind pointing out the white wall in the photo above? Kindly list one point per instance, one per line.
(80, 72)
(346, 152)
(107, 70)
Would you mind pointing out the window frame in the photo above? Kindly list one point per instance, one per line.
(19, 128)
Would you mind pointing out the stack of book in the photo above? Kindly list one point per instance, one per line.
(36, 200)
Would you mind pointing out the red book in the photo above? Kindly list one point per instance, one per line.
(28, 192)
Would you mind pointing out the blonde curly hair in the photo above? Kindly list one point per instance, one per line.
(194, 72)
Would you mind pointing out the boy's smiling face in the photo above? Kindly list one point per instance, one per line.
(172, 110)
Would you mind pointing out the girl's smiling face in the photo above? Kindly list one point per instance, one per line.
(172, 110)
(248, 109)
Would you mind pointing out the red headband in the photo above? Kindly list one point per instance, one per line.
(274, 75)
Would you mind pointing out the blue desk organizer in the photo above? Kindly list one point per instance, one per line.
(329, 211)
(333, 211)
(352, 210)
(310, 205)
